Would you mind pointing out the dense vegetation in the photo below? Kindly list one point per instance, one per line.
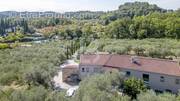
(13, 25)
(45, 22)
(100, 87)
(130, 10)
(106, 87)
(159, 48)
(136, 20)
(155, 25)
(135, 28)
(33, 65)
(36, 93)
(26, 72)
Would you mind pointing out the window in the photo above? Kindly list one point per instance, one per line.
(158, 91)
(87, 69)
(177, 81)
(162, 79)
(128, 73)
(146, 77)
(169, 91)
(96, 69)
(83, 70)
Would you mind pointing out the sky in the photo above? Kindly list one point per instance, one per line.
(76, 5)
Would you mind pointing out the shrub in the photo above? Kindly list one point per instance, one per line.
(57, 96)
(152, 96)
(4, 46)
(133, 86)
(8, 78)
(38, 77)
(101, 87)
(147, 96)
(33, 94)
(1, 39)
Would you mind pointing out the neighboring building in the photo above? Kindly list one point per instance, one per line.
(158, 74)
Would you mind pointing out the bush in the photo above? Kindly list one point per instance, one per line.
(14, 37)
(152, 96)
(133, 86)
(101, 87)
(8, 78)
(5, 94)
(38, 77)
(4, 46)
(33, 94)
(147, 96)
(57, 96)
(1, 39)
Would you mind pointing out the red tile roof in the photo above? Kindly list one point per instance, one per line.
(146, 64)
(94, 59)
(71, 66)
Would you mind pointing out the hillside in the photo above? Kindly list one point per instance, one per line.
(132, 9)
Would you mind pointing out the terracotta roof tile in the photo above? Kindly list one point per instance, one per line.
(94, 59)
(71, 66)
(146, 64)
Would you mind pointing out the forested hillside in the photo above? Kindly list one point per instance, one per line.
(132, 9)
(136, 20)
(154, 25)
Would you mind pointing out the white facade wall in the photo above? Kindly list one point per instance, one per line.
(89, 70)
(154, 78)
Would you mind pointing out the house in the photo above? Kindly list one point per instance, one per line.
(158, 74)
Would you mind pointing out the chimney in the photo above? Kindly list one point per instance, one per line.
(134, 59)
(178, 62)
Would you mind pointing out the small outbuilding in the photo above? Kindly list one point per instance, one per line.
(70, 72)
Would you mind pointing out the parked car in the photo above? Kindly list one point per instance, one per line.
(70, 92)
